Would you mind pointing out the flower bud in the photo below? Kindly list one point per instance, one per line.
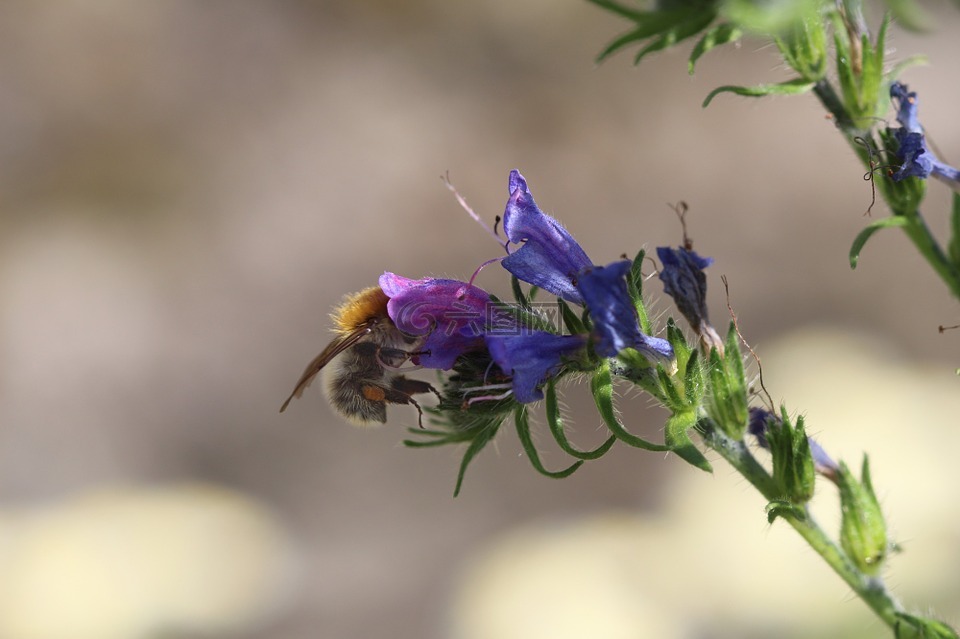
(863, 532)
(793, 468)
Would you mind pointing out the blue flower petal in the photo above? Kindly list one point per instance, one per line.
(684, 280)
(915, 158)
(615, 322)
(532, 358)
(549, 256)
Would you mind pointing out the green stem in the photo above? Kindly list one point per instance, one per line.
(918, 231)
(871, 590)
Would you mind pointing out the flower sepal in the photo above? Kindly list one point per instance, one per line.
(804, 47)
(727, 394)
(683, 385)
(863, 531)
(635, 289)
(794, 471)
(860, 66)
(676, 435)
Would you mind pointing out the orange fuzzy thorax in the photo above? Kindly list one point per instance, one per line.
(359, 308)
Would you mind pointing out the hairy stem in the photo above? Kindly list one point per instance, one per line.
(871, 590)
(918, 231)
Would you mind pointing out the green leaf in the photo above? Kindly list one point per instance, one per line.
(518, 292)
(804, 47)
(635, 288)
(663, 28)
(677, 437)
(864, 235)
(719, 35)
(573, 323)
(601, 385)
(672, 398)
(556, 427)
(693, 382)
(694, 24)
(523, 431)
(790, 87)
(481, 440)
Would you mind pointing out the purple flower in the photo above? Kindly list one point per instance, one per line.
(760, 420)
(822, 461)
(615, 324)
(916, 159)
(549, 257)
(532, 358)
(451, 314)
(684, 280)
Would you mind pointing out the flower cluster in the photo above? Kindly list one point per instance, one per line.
(455, 318)
(497, 358)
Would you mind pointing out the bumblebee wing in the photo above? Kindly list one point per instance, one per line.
(334, 348)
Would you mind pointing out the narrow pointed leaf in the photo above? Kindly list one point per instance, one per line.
(790, 87)
(864, 235)
(602, 387)
(482, 439)
(556, 427)
(676, 435)
(518, 292)
(523, 432)
(635, 287)
(721, 34)
(696, 22)
(573, 324)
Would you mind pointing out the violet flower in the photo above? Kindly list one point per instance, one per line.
(684, 280)
(916, 159)
(548, 256)
(615, 322)
(532, 358)
(452, 315)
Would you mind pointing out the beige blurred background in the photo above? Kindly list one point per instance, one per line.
(187, 188)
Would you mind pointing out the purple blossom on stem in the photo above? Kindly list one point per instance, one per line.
(684, 280)
(533, 358)
(615, 322)
(548, 257)
(450, 314)
(916, 159)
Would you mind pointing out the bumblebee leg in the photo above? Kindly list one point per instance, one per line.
(402, 389)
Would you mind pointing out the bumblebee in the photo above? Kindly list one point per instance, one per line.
(360, 365)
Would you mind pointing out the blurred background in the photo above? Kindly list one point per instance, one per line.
(187, 189)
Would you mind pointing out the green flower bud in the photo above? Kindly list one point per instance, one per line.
(804, 47)
(863, 531)
(727, 396)
(793, 468)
